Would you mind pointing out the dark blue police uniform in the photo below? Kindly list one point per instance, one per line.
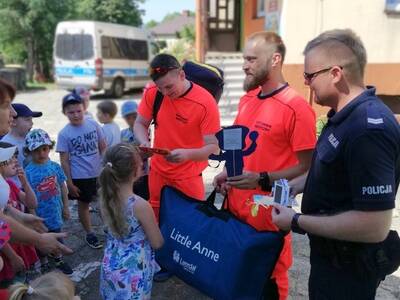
(355, 167)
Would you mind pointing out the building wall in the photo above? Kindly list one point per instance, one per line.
(303, 20)
(385, 77)
(251, 22)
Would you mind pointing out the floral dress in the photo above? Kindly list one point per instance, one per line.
(128, 264)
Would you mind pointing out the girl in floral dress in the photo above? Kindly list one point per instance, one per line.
(128, 264)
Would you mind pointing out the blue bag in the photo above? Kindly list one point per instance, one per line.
(213, 251)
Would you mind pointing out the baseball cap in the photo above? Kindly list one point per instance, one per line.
(129, 107)
(71, 98)
(36, 138)
(162, 64)
(24, 111)
(81, 91)
(7, 153)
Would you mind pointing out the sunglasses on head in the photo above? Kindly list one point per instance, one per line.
(160, 70)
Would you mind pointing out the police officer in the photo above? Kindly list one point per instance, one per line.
(350, 190)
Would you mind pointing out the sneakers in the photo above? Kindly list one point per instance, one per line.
(93, 241)
(162, 275)
(64, 267)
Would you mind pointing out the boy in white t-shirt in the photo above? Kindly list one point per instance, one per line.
(106, 112)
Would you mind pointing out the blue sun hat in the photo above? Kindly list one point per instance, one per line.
(129, 107)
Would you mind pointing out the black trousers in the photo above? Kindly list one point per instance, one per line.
(330, 282)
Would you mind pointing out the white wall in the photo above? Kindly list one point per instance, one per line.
(303, 20)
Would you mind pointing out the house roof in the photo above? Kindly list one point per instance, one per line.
(171, 27)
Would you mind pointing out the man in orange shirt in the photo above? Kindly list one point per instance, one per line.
(187, 121)
(286, 127)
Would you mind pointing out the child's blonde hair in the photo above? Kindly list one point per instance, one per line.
(51, 286)
(121, 164)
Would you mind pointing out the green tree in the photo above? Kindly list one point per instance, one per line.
(151, 24)
(188, 33)
(125, 12)
(170, 16)
(28, 26)
(27, 31)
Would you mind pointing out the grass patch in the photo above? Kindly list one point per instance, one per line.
(41, 85)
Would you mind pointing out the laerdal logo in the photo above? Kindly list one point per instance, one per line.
(197, 247)
(176, 256)
(377, 189)
(191, 268)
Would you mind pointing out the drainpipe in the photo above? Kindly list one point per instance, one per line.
(200, 30)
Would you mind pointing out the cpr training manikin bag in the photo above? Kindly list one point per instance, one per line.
(213, 251)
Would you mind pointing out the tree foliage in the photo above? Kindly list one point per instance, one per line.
(28, 26)
(27, 30)
(188, 33)
(115, 11)
(151, 24)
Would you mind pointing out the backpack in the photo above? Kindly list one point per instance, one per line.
(207, 76)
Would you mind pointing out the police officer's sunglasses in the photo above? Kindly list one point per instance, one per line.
(310, 76)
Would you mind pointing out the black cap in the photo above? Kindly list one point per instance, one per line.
(162, 64)
(71, 98)
(24, 111)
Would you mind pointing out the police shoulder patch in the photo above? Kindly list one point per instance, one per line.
(374, 117)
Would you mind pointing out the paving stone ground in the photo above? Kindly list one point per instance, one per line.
(86, 261)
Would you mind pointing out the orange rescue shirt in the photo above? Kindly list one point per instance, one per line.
(182, 123)
(285, 123)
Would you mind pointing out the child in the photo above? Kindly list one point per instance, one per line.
(17, 257)
(106, 112)
(19, 199)
(85, 96)
(19, 128)
(128, 264)
(80, 144)
(48, 182)
(51, 286)
(129, 113)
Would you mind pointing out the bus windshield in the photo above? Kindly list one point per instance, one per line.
(74, 46)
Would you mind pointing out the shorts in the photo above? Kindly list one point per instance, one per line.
(192, 187)
(88, 189)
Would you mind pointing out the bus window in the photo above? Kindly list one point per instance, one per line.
(74, 46)
(120, 48)
(138, 49)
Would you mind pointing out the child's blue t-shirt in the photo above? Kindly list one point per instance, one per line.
(127, 135)
(82, 144)
(46, 180)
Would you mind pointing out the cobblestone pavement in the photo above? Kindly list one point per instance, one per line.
(86, 261)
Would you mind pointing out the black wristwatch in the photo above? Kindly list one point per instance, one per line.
(264, 183)
(295, 224)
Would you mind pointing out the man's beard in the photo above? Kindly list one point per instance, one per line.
(255, 80)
